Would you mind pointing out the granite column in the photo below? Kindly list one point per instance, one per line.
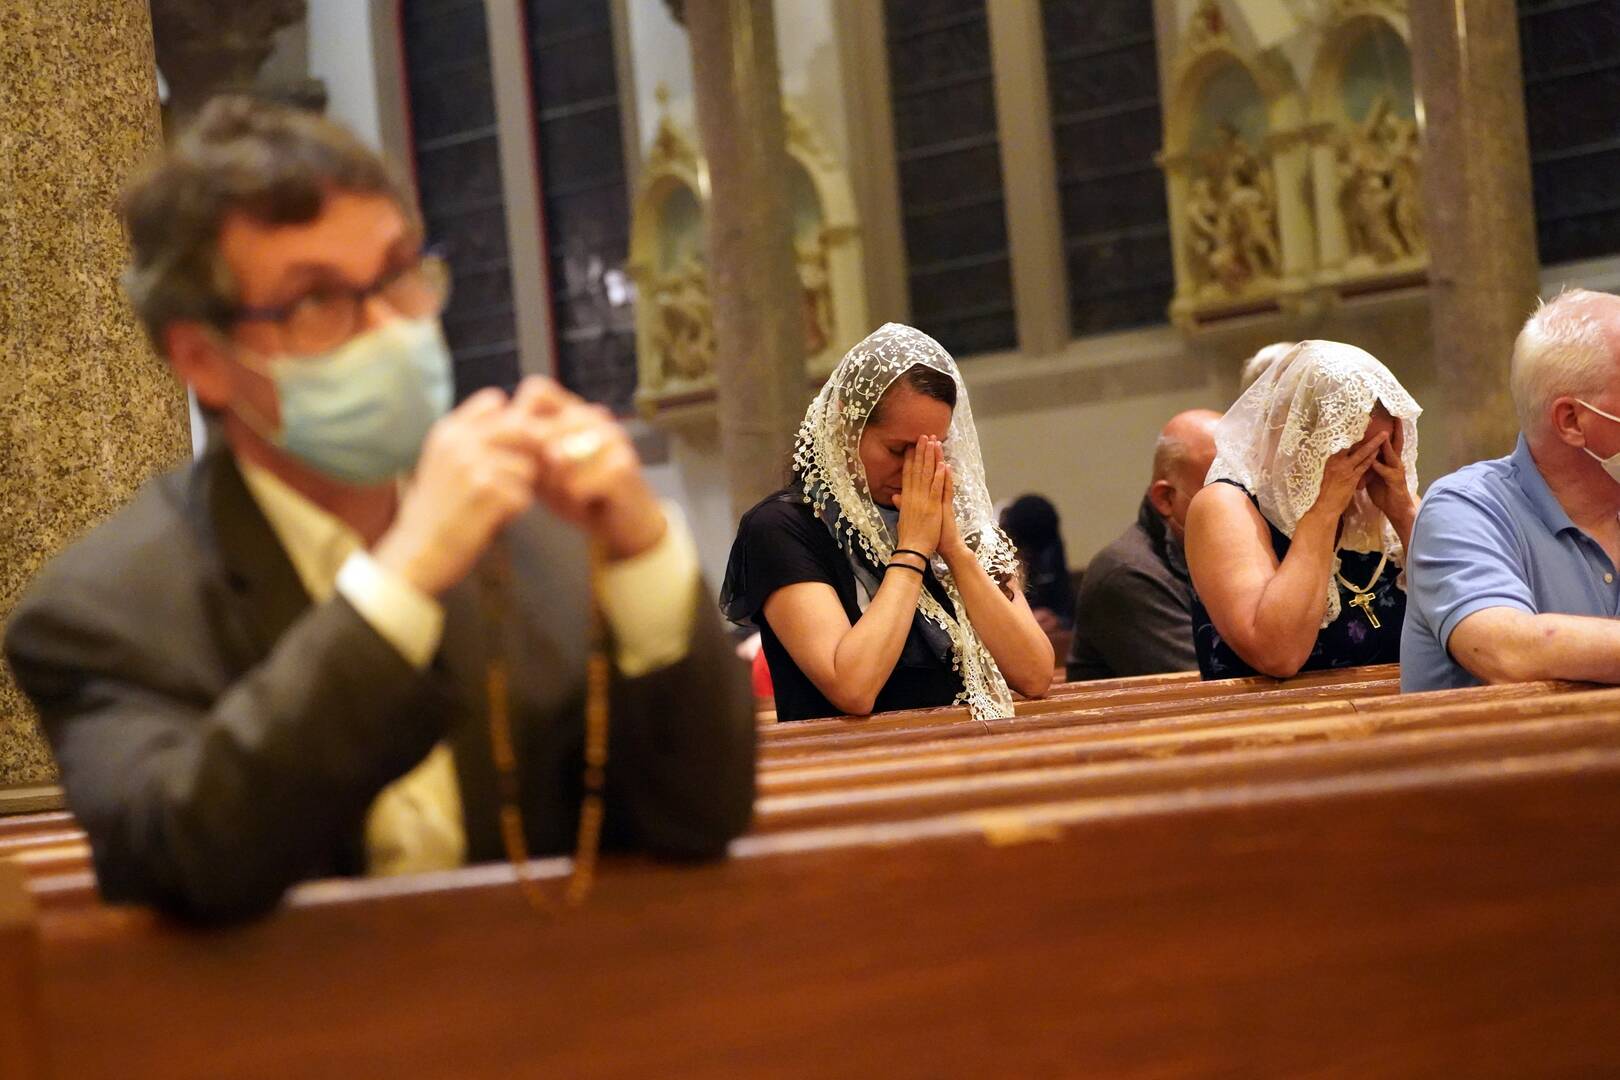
(88, 411)
(758, 306)
(1479, 218)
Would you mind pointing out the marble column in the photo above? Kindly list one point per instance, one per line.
(758, 305)
(86, 411)
(1479, 217)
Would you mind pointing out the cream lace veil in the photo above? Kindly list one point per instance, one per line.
(827, 458)
(1276, 438)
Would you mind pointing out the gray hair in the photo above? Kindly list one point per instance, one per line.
(1170, 452)
(1562, 350)
(273, 163)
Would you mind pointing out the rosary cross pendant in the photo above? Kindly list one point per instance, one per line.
(1364, 601)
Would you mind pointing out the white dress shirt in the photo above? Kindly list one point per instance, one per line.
(415, 823)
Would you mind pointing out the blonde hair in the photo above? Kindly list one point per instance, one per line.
(1258, 364)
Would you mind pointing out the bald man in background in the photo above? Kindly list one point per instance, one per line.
(1134, 612)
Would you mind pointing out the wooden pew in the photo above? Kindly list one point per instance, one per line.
(1482, 731)
(1412, 917)
(22, 1041)
(1081, 713)
(767, 712)
(1135, 731)
(27, 824)
(1157, 737)
(1101, 694)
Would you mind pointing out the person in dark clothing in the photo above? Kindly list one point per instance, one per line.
(1031, 522)
(1134, 612)
(279, 661)
(879, 579)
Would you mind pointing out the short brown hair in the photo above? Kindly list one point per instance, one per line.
(273, 163)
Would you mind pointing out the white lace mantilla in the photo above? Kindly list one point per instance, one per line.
(828, 461)
(1275, 440)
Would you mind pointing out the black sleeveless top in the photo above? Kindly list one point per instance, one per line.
(781, 542)
(1348, 641)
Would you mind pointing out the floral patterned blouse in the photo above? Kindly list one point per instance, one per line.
(1350, 640)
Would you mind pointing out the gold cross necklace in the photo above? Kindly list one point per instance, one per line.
(1363, 597)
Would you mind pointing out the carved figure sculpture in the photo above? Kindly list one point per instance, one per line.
(683, 333)
(1203, 229)
(1378, 162)
(1401, 136)
(1231, 217)
(811, 255)
(1252, 210)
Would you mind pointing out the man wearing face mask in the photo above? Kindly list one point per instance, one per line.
(273, 665)
(1513, 572)
(1134, 612)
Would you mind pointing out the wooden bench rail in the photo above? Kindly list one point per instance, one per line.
(894, 735)
(22, 1023)
(1141, 720)
(26, 824)
(1131, 732)
(29, 799)
(1234, 729)
(1597, 728)
(1108, 692)
(62, 850)
(1412, 920)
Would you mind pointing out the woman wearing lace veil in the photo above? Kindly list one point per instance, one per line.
(879, 579)
(1296, 543)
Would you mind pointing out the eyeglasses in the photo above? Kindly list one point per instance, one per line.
(326, 318)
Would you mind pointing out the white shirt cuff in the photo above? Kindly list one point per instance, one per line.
(406, 617)
(650, 601)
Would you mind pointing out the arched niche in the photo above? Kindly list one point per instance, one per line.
(826, 246)
(1235, 170)
(1368, 148)
(669, 265)
(669, 262)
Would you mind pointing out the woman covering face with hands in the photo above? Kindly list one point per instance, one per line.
(1296, 544)
(878, 579)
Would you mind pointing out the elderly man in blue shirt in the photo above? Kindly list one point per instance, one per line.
(1512, 573)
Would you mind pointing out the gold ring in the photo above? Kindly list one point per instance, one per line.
(580, 446)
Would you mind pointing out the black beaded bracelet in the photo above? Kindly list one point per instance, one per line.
(908, 551)
(907, 566)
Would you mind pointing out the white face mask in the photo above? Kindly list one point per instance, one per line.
(1611, 464)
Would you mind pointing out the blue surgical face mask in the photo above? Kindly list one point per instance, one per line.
(360, 412)
(1611, 464)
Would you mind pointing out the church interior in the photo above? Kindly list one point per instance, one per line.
(689, 216)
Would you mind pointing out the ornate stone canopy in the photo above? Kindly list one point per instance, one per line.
(205, 48)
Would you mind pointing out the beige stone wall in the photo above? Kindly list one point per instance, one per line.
(88, 412)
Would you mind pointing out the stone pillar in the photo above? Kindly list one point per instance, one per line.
(86, 411)
(1479, 218)
(758, 305)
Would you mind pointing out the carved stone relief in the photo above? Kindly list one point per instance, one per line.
(683, 323)
(1288, 200)
(1379, 170)
(675, 336)
(1231, 218)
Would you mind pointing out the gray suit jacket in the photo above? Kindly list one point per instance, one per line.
(221, 737)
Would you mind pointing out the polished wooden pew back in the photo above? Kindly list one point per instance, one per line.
(1410, 917)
